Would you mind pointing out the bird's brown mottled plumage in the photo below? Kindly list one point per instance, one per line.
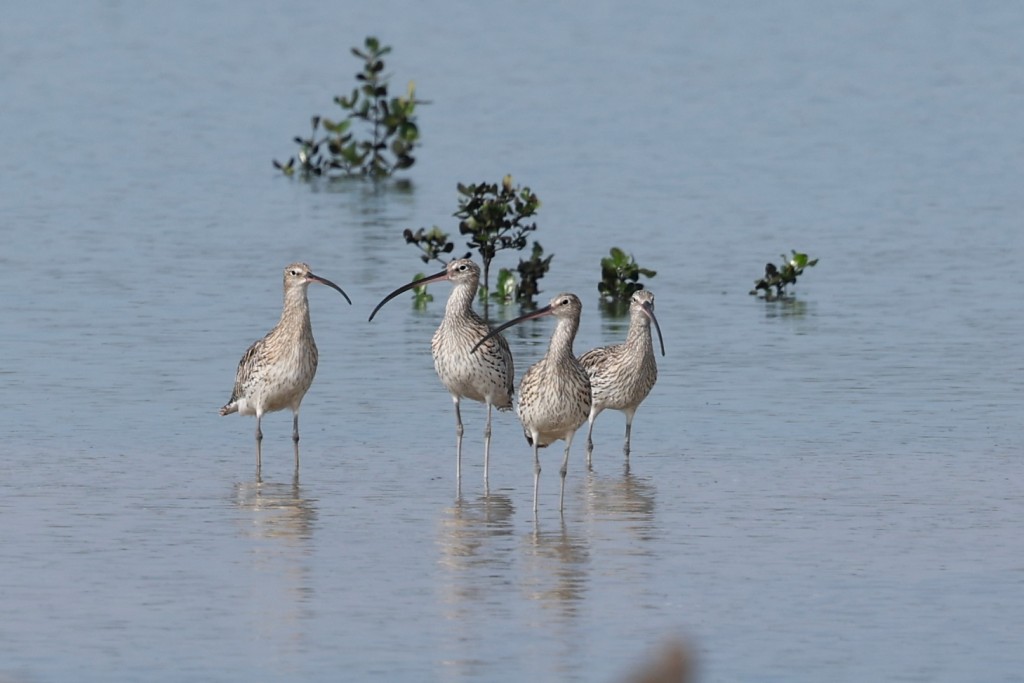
(622, 375)
(554, 394)
(484, 374)
(276, 371)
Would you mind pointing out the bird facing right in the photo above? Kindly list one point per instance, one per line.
(622, 375)
(276, 372)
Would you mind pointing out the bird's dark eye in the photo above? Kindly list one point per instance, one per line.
(565, 302)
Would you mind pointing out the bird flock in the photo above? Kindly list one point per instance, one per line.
(557, 394)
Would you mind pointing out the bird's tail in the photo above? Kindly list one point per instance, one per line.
(229, 408)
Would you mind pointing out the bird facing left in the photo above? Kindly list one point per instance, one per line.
(276, 372)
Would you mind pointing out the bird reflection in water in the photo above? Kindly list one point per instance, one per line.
(475, 535)
(277, 519)
(557, 563)
(279, 509)
(626, 498)
(477, 555)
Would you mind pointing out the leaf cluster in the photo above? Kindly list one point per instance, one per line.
(620, 276)
(390, 122)
(493, 217)
(525, 287)
(778, 277)
(530, 272)
(432, 243)
(505, 289)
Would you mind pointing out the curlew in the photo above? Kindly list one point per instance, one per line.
(276, 371)
(554, 395)
(484, 375)
(622, 375)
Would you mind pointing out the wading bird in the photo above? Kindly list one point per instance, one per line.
(554, 395)
(482, 374)
(621, 375)
(276, 371)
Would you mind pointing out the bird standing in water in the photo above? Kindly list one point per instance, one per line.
(485, 374)
(554, 395)
(276, 371)
(622, 375)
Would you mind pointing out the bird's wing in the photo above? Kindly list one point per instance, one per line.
(595, 358)
(246, 368)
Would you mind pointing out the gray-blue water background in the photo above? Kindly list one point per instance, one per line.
(825, 489)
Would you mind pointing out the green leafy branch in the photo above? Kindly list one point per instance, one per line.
(525, 288)
(494, 218)
(778, 277)
(432, 243)
(620, 276)
(391, 122)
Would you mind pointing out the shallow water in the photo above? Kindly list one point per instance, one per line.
(826, 488)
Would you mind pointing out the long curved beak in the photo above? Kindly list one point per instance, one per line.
(436, 277)
(539, 313)
(325, 281)
(648, 308)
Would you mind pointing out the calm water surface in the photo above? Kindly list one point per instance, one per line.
(827, 488)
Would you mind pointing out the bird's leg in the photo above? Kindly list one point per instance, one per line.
(458, 441)
(590, 440)
(259, 446)
(487, 444)
(629, 426)
(564, 471)
(536, 470)
(594, 412)
(295, 438)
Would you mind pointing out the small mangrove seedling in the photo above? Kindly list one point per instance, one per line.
(505, 289)
(778, 277)
(390, 122)
(530, 272)
(493, 217)
(620, 278)
(524, 288)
